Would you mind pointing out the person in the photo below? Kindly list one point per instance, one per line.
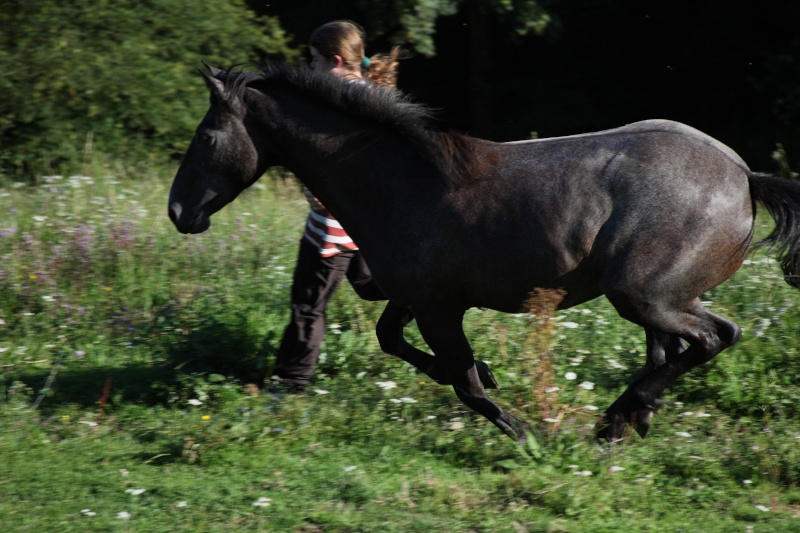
(327, 254)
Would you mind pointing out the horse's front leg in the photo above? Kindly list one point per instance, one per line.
(390, 336)
(444, 334)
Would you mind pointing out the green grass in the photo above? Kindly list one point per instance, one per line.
(126, 350)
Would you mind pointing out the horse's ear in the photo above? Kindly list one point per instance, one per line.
(214, 85)
(213, 70)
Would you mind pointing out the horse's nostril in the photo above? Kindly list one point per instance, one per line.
(174, 212)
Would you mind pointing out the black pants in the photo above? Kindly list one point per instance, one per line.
(315, 280)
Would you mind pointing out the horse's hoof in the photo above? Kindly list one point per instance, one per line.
(609, 428)
(644, 418)
(486, 376)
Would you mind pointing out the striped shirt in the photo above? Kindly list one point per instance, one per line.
(324, 231)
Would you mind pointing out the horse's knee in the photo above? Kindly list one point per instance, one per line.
(390, 338)
(389, 329)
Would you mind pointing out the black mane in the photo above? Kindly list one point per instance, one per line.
(386, 108)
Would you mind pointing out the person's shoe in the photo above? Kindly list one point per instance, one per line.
(278, 387)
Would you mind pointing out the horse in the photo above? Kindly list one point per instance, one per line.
(651, 215)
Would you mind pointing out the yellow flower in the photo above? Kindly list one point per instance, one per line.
(64, 417)
(107, 289)
(33, 276)
(206, 417)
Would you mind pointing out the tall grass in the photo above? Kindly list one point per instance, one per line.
(128, 355)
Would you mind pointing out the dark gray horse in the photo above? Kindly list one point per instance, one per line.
(651, 215)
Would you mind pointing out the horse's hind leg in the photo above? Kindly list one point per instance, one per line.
(707, 334)
(661, 347)
(390, 336)
(445, 335)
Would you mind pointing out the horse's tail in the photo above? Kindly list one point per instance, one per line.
(781, 198)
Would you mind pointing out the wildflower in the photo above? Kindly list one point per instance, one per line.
(683, 434)
(181, 504)
(616, 468)
(571, 376)
(124, 515)
(64, 417)
(456, 425)
(206, 417)
(135, 492)
(591, 407)
(349, 468)
(262, 502)
(386, 385)
(747, 481)
(87, 512)
(48, 298)
(79, 353)
(588, 385)
(584, 473)
(194, 401)
(763, 324)
(763, 508)
(123, 472)
(88, 423)
(405, 399)
(320, 391)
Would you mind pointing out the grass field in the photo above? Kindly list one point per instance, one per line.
(127, 354)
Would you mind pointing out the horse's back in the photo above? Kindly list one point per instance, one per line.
(644, 204)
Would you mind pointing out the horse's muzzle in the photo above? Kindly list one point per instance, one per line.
(193, 224)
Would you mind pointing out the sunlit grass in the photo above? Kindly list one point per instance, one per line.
(127, 354)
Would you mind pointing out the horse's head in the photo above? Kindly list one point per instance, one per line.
(223, 159)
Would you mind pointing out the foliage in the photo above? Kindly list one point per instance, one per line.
(413, 23)
(129, 354)
(415, 20)
(114, 76)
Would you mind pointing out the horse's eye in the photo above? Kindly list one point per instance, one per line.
(205, 138)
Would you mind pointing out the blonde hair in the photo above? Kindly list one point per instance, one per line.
(345, 39)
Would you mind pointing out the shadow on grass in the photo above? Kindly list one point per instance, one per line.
(213, 349)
